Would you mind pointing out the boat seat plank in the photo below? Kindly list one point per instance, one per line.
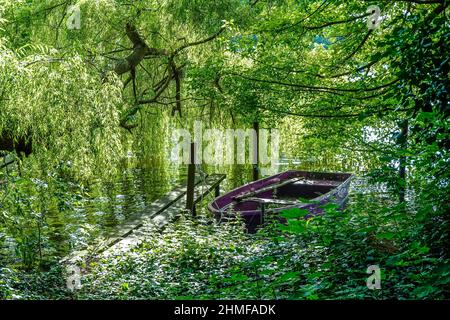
(272, 201)
(268, 188)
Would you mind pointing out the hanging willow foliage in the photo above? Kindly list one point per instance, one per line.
(66, 112)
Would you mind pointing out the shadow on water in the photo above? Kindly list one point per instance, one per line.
(104, 205)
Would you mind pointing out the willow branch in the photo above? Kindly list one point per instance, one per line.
(332, 23)
(195, 43)
(140, 51)
(313, 88)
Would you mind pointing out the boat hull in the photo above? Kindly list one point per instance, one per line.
(319, 188)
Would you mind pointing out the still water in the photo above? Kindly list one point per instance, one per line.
(106, 204)
(83, 218)
(109, 204)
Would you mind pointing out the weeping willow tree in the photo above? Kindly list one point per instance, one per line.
(138, 70)
(74, 102)
(124, 61)
(62, 110)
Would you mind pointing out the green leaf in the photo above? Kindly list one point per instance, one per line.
(386, 235)
(294, 213)
(238, 277)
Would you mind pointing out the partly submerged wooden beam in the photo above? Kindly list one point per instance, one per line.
(164, 217)
(158, 214)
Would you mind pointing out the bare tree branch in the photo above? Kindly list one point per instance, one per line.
(195, 43)
(313, 88)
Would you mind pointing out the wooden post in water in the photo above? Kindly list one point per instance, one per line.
(403, 144)
(191, 181)
(217, 191)
(256, 152)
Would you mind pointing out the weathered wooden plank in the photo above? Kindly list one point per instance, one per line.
(119, 232)
(268, 188)
(159, 213)
(164, 217)
(155, 207)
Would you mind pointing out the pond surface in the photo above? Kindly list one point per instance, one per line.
(110, 204)
(105, 205)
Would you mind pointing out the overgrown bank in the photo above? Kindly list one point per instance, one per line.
(322, 258)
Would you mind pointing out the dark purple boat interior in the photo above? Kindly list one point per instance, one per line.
(280, 192)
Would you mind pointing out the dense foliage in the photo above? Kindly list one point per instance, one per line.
(81, 106)
(323, 258)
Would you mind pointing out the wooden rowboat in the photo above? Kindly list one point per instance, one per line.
(281, 192)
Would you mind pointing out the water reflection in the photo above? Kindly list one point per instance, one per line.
(110, 204)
